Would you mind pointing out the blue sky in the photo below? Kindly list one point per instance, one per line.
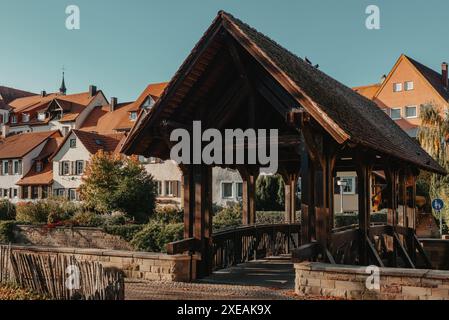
(124, 45)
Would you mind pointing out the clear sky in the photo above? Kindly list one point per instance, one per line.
(124, 45)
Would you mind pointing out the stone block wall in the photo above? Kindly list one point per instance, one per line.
(349, 282)
(136, 265)
(79, 237)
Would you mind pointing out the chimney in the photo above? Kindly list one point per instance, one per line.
(92, 90)
(113, 103)
(43, 93)
(444, 75)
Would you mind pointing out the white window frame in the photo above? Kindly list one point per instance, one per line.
(74, 193)
(25, 117)
(416, 112)
(15, 193)
(400, 113)
(41, 116)
(68, 168)
(70, 143)
(222, 189)
(14, 171)
(406, 85)
(352, 181)
(397, 87)
(159, 188)
(237, 196)
(133, 116)
(170, 185)
(5, 172)
(77, 168)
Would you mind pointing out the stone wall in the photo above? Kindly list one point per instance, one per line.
(438, 252)
(79, 237)
(349, 282)
(136, 265)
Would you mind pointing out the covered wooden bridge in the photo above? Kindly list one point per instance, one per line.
(236, 77)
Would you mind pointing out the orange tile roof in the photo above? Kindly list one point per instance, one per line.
(102, 120)
(45, 177)
(154, 90)
(17, 146)
(73, 104)
(95, 142)
(8, 94)
(368, 91)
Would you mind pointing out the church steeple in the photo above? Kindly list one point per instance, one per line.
(63, 89)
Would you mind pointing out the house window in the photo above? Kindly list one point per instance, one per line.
(38, 166)
(226, 190)
(387, 111)
(5, 193)
(72, 143)
(411, 112)
(349, 188)
(169, 188)
(65, 168)
(44, 192)
(133, 115)
(15, 192)
(60, 192)
(13, 118)
(25, 117)
(409, 85)
(159, 187)
(5, 167)
(79, 167)
(397, 87)
(72, 194)
(65, 130)
(34, 192)
(17, 164)
(41, 116)
(395, 113)
(239, 189)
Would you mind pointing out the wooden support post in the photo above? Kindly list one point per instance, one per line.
(188, 199)
(202, 228)
(249, 178)
(307, 197)
(290, 181)
(364, 198)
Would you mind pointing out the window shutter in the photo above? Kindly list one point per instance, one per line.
(10, 167)
(176, 189)
(60, 168)
(72, 168)
(20, 167)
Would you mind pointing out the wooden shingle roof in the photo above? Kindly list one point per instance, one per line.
(346, 115)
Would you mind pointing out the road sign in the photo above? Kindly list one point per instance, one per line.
(437, 204)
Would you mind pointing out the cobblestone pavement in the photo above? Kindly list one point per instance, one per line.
(271, 279)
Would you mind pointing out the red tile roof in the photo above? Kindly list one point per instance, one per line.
(102, 120)
(95, 142)
(45, 177)
(9, 94)
(17, 146)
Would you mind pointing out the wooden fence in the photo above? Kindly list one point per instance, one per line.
(61, 277)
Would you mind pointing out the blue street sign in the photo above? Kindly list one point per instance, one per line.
(437, 204)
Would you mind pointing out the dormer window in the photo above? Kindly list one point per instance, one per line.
(41, 116)
(133, 115)
(13, 118)
(25, 117)
(39, 166)
(148, 104)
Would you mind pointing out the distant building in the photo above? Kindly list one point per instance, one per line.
(408, 85)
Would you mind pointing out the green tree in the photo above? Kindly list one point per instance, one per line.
(117, 183)
(432, 135)
(270, 193)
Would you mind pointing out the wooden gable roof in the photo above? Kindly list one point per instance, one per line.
(343, 113)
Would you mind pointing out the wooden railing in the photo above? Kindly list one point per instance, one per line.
(386, 246)
(246, 243)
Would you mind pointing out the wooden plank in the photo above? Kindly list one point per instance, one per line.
(402, 251)
(373, 252)
(184, 245)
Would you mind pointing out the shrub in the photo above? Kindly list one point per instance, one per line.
(230, 216)
(127, 232)
(342, 220)
(7, 210)
(50, 210)
(168, 214)
(155, 236)
(88, 219)
(12, 292)
(270, 193)
(7, 231)
(30, 212)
